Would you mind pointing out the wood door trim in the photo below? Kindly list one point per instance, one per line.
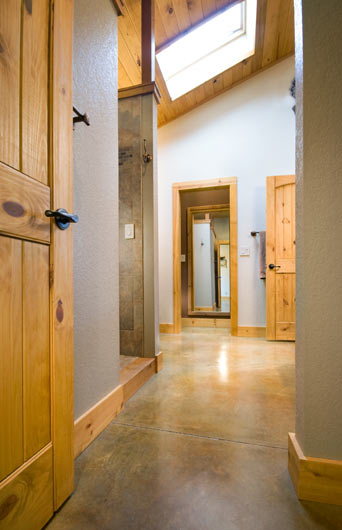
(197, 185)
(61, 261)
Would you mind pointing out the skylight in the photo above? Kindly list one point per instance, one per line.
(209, 49)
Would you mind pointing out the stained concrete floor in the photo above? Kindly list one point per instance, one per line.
(201, 446)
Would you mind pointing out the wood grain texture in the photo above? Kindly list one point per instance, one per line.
(36, 348)
(281, 251)
(96, 419)
(274, 41)
(314, 479)
(132, 377)
(10, 20)
(26, 497)
(23, 202)
(34, 83)
(251, 331)
(166, 328)
(11, 379)
(61, 261)
(206, 323)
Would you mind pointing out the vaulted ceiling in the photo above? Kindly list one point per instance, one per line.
(274, 42)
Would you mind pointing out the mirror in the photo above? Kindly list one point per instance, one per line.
(209, 260)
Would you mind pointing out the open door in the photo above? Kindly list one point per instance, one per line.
(36, 298)
(281, 258)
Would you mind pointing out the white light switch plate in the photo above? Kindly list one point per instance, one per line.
(183, 258)
(244, 251)
(129, 231)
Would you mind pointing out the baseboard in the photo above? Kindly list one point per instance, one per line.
(314, 479)
(167, 328)
(251, 331)
(95, 420)
(206, 322)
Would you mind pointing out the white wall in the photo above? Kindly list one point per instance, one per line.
(96, 267)
(248, 132)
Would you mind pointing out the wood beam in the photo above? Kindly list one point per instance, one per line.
(147, 41)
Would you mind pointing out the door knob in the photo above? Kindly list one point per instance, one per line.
(272, 266)
(62, 217)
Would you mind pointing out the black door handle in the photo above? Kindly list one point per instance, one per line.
(62, 217)
(272, 266)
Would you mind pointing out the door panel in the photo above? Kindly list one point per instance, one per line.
(26, 499)
(35, 56)
(36, 347)
(281, 252)
(36, 297)
(10, 14)
(23, 203)
(11, 362)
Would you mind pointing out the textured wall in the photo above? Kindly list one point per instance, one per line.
(248, 132)
(138, 204)
(97, 369)
(319, 247)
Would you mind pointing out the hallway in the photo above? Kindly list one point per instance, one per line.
(203, 445)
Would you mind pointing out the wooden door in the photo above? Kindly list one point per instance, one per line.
(281, 258)
(36, 299)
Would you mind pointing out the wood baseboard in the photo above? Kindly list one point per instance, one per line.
(206, 322)
(95, 420)
(167, 328)
(251, 331)
(314, 479)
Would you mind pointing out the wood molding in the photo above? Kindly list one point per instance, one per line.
(140, 90)
(166, 328)
(314, 479)
(251, 331)
(95, 420)
(206, 323)
(195, 185)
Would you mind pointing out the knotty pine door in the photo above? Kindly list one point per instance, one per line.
(36, 299)
(281, 258)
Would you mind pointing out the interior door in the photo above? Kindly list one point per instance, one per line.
(281, 258)
(36, 300)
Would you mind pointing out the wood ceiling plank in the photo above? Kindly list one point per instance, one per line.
(182, 14)
(271, 37)
(127, 59)
(286, 28)
(195, 11)
(123, 78)
(168, 17)
(208, 7)
(260, 33)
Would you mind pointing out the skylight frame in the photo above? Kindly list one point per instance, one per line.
(240, 45)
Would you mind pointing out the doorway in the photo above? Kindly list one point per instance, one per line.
(229, 185)
(208, 258)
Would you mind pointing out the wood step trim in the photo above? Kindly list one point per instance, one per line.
(95, 420)
(314, 479)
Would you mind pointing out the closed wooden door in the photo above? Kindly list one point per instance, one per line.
(281, 258)
(36, 300)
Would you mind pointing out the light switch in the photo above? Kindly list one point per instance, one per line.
(244, 251)
(183, 258)
(129, 231)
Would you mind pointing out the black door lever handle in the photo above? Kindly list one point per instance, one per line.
(62, 217)
(272, 266)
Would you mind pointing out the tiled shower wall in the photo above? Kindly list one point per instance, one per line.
(136, 123)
